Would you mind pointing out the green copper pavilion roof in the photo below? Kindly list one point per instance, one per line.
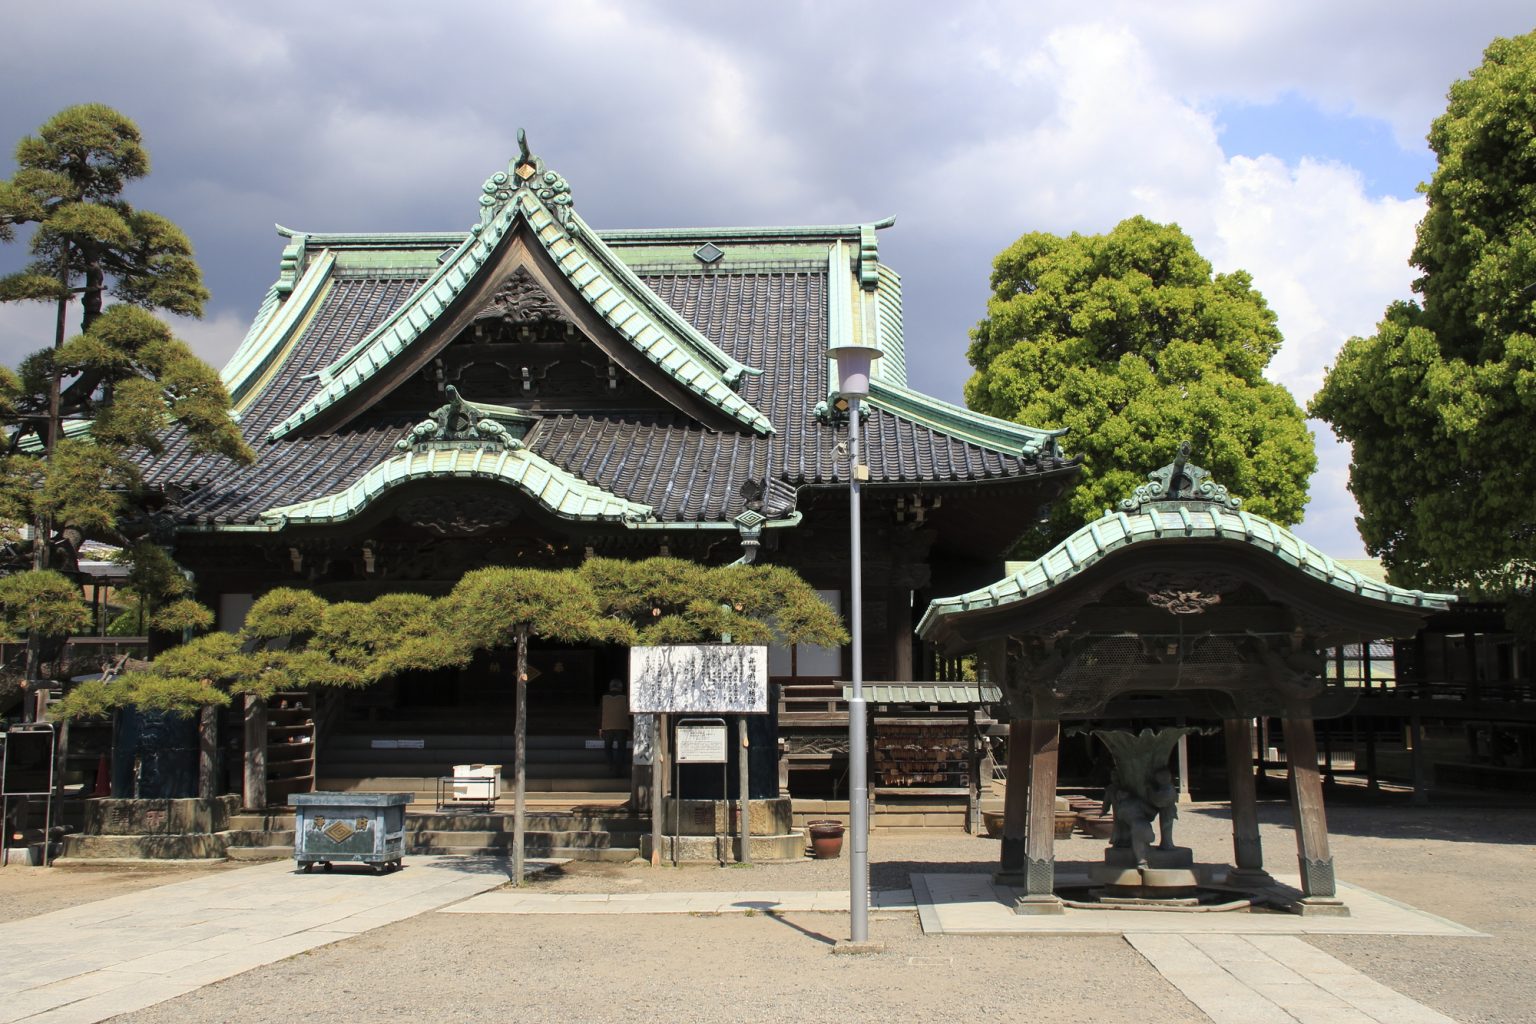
(1179, 502)
(528, 192)
(561, 493)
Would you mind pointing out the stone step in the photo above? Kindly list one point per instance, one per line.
(533, 840)
(428, 771)
(260, 822)
(195, 846)
(535, 820)
(607, 854)
(247, 838)
(255, 853)
(453, 739)
(596, 787)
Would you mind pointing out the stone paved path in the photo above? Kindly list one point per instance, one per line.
(97, 960)
(1274, 979)
(505, 901)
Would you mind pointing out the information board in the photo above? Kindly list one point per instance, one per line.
(700, 743)
(691, 679)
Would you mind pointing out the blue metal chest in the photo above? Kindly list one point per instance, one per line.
(349, 828)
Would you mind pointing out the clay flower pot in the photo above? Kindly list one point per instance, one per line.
(993, 820)
(1065, 820)
(826, 839)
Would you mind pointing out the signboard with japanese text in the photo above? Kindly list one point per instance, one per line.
(700, 743)
(726, 679)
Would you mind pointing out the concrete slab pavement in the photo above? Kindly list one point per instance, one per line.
(97, 960)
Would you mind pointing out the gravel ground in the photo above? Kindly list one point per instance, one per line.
(1472, 865)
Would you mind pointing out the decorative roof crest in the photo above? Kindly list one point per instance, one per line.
(461, 423)
(1180, 480)
(526, 173)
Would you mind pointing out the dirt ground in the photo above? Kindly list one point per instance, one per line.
(1473, 865)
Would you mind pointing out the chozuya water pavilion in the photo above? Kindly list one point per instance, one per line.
(535, 391)
(1178, 605)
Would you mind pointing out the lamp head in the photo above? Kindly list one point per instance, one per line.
(853, 368)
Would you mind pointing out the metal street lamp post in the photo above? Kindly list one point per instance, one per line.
(853, 363)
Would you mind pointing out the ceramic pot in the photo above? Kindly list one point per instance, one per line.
(1065, 820)
(826, 839)
(993, 820)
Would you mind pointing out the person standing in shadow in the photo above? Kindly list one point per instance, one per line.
(614, 727)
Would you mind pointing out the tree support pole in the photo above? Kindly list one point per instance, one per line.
(520, 759)
(744, 778)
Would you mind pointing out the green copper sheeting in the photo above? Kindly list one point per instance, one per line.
(1161, 524)
(562, 493)
(928, 693)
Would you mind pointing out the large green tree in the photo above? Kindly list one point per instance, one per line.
(1440, 403)
(1132, 343)
(81, 411)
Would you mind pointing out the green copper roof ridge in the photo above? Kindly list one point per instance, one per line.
(562, 493)
(1115, 530)
(967, 424)
(730, 369)
(817, 232)
(814, 232)
(269, 305)
(441, 286)
(402, 327)
(268, 336)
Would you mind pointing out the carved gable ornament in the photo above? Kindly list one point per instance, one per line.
(465, 425)
(519, 300)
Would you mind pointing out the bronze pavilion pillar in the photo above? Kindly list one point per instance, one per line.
(1319, 893)
(1247, 851)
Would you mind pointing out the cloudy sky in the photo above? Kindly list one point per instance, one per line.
(1286, 138)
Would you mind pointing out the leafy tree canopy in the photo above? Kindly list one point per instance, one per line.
(1132, 343)
(294, 639)
(1439, 404)
(125, 375)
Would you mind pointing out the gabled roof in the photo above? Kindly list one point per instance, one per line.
(1161, 513)
(602, 279)
(731, 325)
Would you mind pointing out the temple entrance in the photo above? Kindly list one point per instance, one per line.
(408, 734)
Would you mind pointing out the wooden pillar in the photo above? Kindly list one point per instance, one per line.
(254, 797)
(1319, 894)
(1372, 780)
(208, 752)
(1039, 895)
(1184, 796)
(1010, 869)
(900, 617)
(1247, 851)
(1420, 766)
(973, 781)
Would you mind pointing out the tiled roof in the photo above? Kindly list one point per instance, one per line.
(1162, 522)
(683, 472)
(608, 286)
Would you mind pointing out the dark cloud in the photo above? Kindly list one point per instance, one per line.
(389, 115)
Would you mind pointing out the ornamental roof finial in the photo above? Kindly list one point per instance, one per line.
(1180, 480)
(527, 173)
